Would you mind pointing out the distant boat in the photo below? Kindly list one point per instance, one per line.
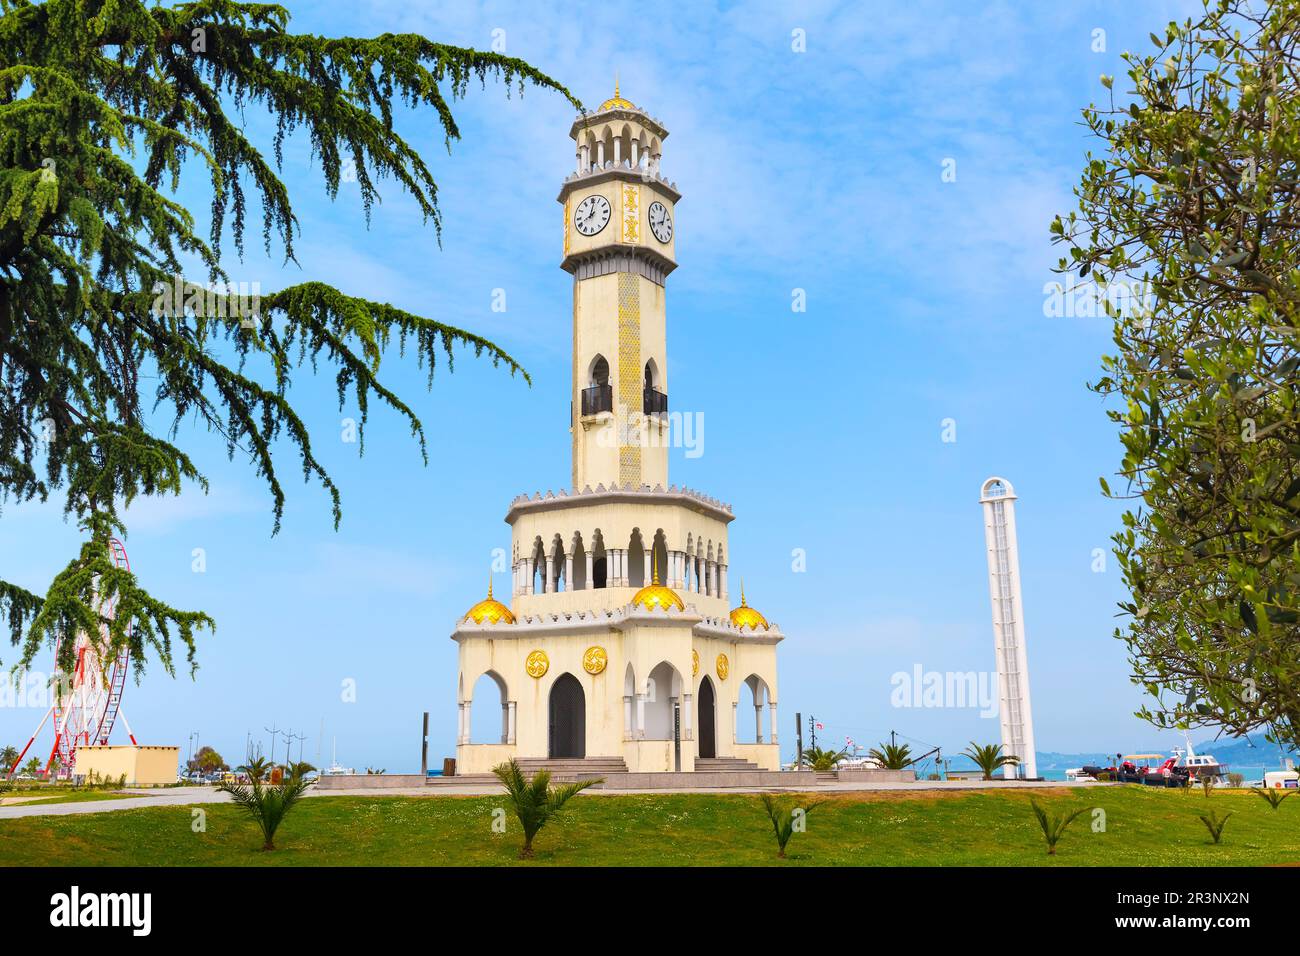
(1178, 770)
(334, 769)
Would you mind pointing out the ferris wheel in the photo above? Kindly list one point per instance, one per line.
(88, 701)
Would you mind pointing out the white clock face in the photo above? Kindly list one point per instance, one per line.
(661, 224)
(592, 215)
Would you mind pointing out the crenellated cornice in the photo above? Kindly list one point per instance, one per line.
(615, 494)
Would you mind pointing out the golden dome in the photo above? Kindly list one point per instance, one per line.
(616, 102)
(655, 595)
(745, 616)
(489, 611)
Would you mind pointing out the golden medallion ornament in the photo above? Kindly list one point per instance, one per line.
(594, 661)
(724, 666)
(695, 663)
(537, 664)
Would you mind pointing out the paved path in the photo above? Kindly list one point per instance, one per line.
(187, 796)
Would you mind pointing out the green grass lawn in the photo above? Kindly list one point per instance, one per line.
(1143, 827)
(31, 798)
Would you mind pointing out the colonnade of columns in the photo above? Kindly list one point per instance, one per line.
(588, 163)
(684, 572)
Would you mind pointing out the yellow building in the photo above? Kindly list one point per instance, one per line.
(142, 766)
(620, 646)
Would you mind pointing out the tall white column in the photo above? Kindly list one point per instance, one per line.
(998, 500)
(618, 151)
(723, 582)
(733, 722)
(688, 717)
(629, 729)
(590, 582)
(771, 716)
(758, 723)
(600, 154)
(511, 717)
(505, 722)
(586, 159)
(640, 716)
(568, 572)
(550, 575)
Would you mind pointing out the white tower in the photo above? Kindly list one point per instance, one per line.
(998, 498)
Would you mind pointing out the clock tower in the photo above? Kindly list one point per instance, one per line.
(620, 650)
(619, 219)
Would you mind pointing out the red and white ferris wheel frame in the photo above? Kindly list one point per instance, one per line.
(88, 701)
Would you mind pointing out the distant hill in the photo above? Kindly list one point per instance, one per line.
(1231, 752)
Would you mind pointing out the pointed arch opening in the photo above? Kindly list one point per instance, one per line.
(753, 730)
(637, 575)
(490, 688)
(662, 694)
(568, 719)
(706, 720)
(599, 564)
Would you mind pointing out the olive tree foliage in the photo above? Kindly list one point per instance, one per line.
(1196, 204)
(106, 107)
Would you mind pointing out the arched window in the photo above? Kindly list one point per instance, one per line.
(598, 565)
(638, 575)
(654, 399)
(598, 396)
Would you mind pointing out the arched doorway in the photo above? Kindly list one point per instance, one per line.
(568, 725)
(708, 720)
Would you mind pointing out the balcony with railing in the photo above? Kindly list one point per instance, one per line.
(597, 399)
(653, 401)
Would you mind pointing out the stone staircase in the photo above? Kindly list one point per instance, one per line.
(715, 764)
(569, 770)
(562, 771)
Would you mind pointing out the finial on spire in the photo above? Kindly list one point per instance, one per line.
(616, 84)
(742, 593)
(489, 585)
(654, 555)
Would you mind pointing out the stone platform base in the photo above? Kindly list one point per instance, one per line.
(720, 780)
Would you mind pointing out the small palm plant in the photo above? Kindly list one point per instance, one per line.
(1274, 797)
(268, 806)
(1214, 823)
(820, 760)
(536, 801)
(1054, 824)
(989, 758)
(892, 756)
(257, 769)
(783, 820)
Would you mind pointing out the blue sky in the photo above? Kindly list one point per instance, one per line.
(818, 170)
